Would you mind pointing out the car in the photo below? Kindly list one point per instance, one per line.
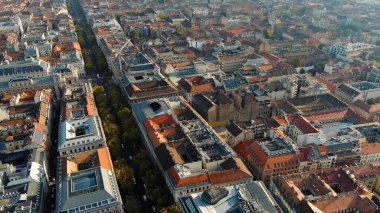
(154, 209)
(134, 180)
(130, 157)
(122, 146)
(145, 198)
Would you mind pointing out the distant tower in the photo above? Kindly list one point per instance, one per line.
(193, 25)
(264, 47)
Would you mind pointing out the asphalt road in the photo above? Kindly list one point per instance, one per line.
(53, 153)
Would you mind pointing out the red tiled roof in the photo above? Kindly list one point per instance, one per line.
(104, 159)
(322, 148)
(280, 133)
(301, 123)
(339, 176)
(226, 176)
(241, 148)
(344, 201)
(196, 84)
(370, 148)
(266, 66)
(327, 116)
(158, 24)
(368, 108)
(280, 120)
(270, 57)
(157, 135)
(66, 46)
(257, 79)
(268, 162)
(178, 181)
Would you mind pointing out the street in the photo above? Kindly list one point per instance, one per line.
(95, 77)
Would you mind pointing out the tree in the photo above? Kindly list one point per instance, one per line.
(110, 128)
(124, 113)
(124, 174)
(134, 134)
(98, 90)
(171, 209)
(91, 39)
(377, 42)
(132, 205)
(376, 64)
(297, 62)
(268, 33)
(81, 41)
(371, 101)
(135, 37)
(179, 29)
(87, 60)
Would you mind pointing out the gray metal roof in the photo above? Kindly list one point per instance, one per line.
(23, 67)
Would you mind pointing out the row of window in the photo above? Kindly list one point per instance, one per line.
(80, 149)
(92, 206)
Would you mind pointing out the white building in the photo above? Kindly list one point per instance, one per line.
(80, 127)
(370, 153)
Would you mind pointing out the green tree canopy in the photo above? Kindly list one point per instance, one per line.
(297, 62)
(132, 205)
(171, 209)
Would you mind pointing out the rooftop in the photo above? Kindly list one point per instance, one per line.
(301, 123)
(276, 147)
(328, 186)
(86, 178)
(238, 198)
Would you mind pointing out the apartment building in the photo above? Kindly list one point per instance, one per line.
(80, 127)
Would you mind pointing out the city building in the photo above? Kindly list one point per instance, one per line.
(189, 153)
(80, 127)
(26, 120)
(327, 190)
(351, 92)
(271, 158)
(370, 153)
(86, 182)
(32, 75)
(191, 86)
(299, 129)
(309, 105)
(24, 181)
(250, 197)
(240, 131)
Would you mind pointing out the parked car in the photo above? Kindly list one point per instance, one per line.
(134, 180)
